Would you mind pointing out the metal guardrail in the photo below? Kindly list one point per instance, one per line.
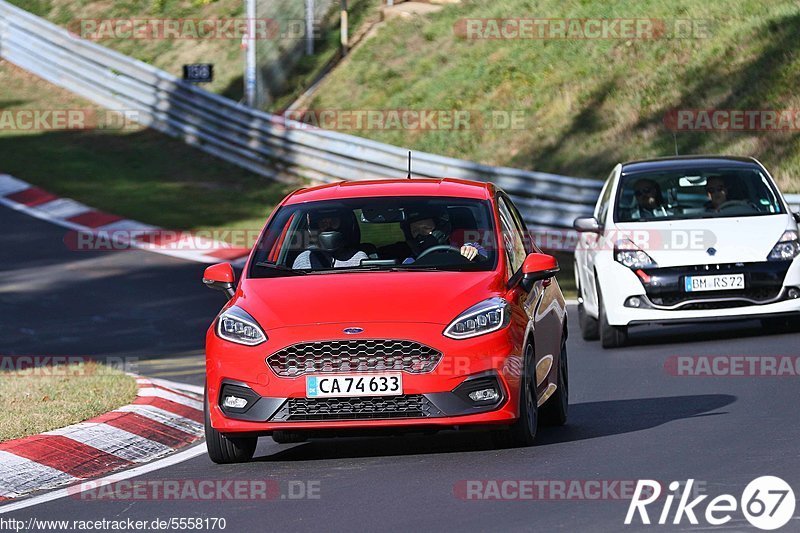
(260, 142)
(794, 201)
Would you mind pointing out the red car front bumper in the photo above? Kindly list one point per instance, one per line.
(495, 356)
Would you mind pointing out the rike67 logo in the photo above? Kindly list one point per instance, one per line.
(767, 503)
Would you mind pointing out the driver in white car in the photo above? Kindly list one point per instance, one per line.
(717, 192)
(430, 227)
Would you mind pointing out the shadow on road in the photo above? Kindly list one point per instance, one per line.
(587, 421)
(705, 332)
(614, 417)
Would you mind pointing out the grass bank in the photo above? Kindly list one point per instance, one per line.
(36, 400)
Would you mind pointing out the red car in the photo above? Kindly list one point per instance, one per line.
(400, 305)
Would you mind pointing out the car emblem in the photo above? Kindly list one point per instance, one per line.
(712, 251)
(353, 331)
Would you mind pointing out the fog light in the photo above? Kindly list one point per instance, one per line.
(793, 293)
(234, 402)
(484, 395)
(633, 301)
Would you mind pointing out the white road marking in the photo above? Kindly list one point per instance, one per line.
(171, 396)
(62, 208)
(197, 389)
(114, 440)
(10, 185)
(19, 475)
(179, 457)
(165, 417)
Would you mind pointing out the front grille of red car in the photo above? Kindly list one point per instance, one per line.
(378, 407)
(362, 355)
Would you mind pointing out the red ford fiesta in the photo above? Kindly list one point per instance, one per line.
(400, 305)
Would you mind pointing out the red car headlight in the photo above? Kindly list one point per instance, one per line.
(482, 318)
(236, 325)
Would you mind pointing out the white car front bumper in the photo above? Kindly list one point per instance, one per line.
(619, 283)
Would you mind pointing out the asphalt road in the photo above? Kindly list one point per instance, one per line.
(630, 418)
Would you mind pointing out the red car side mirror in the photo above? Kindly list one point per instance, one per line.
(220, 277)
(538, 267)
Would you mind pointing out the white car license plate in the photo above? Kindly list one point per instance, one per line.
(719, 282)
(346, 385)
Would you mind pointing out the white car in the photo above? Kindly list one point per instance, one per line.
(685, 239)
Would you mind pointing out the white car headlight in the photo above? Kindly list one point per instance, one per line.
(788, 247)
(630, 255)
(485, 317)
(236, 325)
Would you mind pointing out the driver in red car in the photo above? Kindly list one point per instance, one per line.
(429, 227)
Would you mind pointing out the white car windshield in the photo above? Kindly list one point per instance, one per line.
(696, 193)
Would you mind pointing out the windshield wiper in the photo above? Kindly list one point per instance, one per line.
(412, 268)
(281, 268)
(367, 268)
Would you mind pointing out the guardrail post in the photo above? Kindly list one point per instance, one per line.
(250, 66)
(309, 27)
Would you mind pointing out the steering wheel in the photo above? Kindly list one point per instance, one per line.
(440, 248)
(737, 203)
(731, 203)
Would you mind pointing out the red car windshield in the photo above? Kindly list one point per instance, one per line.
(399, 233)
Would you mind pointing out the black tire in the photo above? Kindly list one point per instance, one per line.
(610, 336)
(226, 450)
(554, 411)
(523, 432)
(589, 327)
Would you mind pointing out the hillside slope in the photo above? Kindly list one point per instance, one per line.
(223, 48)
(586, 104)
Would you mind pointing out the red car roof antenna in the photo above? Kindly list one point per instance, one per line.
(409, 164)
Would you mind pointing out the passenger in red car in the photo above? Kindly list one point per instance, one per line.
(335, 239)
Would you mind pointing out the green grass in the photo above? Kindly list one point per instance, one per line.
(36, 400)
(587, 104)
(309, 68)
(226, 54)
(142, 174)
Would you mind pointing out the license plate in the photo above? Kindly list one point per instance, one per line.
(719, 282)
(347, 385)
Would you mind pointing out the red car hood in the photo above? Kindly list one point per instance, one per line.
(361, 298)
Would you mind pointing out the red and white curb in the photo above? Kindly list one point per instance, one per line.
(161, 420)
(22, 196)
